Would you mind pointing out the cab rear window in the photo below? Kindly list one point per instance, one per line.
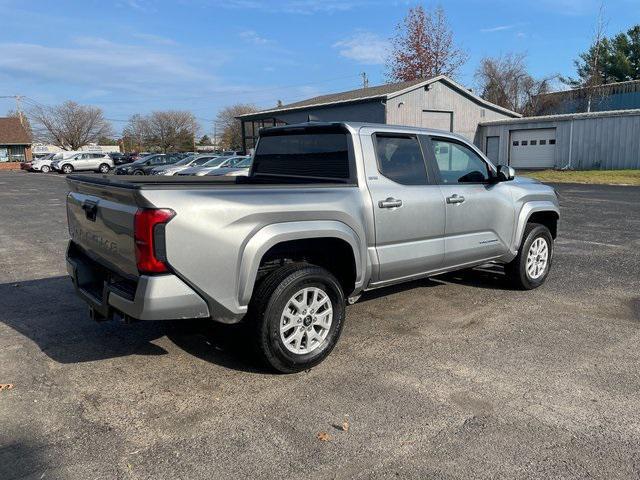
(304, 155)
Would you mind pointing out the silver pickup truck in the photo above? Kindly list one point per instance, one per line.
(328, 211)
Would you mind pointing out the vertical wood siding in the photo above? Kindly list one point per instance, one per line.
(408, 108)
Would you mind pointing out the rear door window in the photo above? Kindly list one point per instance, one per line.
(400, 159)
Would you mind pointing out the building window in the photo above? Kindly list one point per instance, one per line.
(543, 142)
(534, 142)
(516, 143)
(525, 143)
(552, 141)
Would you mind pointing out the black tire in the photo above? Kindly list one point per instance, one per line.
(516, 270)
(104, 168)
(267, 306)
(138, 172)
(67, 168)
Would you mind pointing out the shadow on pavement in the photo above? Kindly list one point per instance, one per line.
(48, 312)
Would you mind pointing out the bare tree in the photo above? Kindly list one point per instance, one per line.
(423, 47)
(231, 128)
(505, 81)
(171, 130)
(165, 131)
(134, 135)
(69, 126)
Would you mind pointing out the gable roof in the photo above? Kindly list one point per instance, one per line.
(382, 92)
(12, 132)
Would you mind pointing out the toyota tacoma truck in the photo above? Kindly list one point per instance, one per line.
(328, 211)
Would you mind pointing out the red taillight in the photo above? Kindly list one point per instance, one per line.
(145, 228)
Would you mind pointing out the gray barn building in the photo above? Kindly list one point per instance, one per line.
(437, 102)
(581, 141)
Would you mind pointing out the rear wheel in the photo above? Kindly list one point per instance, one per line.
(103, 168)
(45, 169)
(297, 312)
(67, 168)
(531, 266)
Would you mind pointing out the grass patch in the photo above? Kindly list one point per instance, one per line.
(602, 177)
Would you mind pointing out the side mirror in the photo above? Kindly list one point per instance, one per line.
(505, 173)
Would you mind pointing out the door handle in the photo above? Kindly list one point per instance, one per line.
(390, 203)
(455, 198)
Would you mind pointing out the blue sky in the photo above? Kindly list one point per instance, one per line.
(136, 56)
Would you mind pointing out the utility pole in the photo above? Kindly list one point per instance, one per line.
(365, 80)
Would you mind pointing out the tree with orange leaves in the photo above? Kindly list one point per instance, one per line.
(423, 47)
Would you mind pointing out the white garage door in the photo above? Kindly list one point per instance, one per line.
(533, 148)
(437, 120)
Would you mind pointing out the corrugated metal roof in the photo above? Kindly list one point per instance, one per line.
(381, 91)
(630, 86)
(12, 132)
(564, 117)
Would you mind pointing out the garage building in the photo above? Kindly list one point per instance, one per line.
(438, 102)
(581, 141)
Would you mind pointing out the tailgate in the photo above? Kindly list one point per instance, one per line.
(101, 222)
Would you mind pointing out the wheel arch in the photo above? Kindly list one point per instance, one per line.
(334, 237)
(543, 212)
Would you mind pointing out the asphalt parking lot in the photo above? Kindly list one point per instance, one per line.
(453, 377)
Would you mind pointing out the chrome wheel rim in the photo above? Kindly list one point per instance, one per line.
(306, 320)
(104, 169)
(45, 169)
(537, 258)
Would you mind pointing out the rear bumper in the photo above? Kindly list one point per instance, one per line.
(160, 297)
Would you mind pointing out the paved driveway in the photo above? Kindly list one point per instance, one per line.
(454, 377)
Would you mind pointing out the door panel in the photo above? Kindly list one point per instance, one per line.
(479, 213)
(409, 219)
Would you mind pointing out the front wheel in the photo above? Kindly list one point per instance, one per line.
(67, 169)
(531, 266)
(104, 168)
(297, 312)
(138, 172)
(45, 169)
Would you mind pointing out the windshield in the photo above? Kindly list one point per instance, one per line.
(185, 161)
(203, 160)
(244, 163)
(214, 162)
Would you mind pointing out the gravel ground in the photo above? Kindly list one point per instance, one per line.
(454, 377)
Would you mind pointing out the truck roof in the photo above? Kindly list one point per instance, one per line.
(356, 127)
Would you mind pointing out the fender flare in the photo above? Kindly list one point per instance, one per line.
(271, 235)
(528, 209)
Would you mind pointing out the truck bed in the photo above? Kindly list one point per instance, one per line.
(148, 182)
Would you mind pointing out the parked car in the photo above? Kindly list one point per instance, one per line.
(83, 161)
(44, 163)
(328, 211)
(190, 161)
(123, 158)
(239, 169)
(214, 163)
(144, 165)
